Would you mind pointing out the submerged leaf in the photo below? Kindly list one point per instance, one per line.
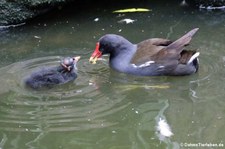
(127, 21)
(135, 86)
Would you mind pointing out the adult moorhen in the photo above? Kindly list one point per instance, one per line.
(47, 77)
(151, 57)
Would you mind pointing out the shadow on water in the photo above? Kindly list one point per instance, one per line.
(103, 108)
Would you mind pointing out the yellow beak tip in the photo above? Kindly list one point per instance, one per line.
(93, 60)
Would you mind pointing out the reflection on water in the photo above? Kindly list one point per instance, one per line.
(103, 108)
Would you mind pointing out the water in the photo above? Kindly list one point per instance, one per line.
(103, 108)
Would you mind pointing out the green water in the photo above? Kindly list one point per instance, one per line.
(104, 109)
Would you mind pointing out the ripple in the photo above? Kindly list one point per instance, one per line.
(78, 105)
(208, 78)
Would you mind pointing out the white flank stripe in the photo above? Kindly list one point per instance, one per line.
(143, 65)
(146, 64)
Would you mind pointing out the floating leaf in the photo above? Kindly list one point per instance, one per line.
(37, 37)
(127, 21)
(131, 10)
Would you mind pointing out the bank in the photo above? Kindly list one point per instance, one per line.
(13, 13)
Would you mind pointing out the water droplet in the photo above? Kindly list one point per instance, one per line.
(113, 131)
(152, 138)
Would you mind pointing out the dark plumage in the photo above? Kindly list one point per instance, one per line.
(47, 77)
(152, 57)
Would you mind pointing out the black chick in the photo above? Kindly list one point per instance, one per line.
(48, 77)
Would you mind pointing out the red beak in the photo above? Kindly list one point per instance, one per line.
(96, 54)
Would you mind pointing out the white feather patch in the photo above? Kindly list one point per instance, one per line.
(193, 57)
(144, 65)
(163, 128)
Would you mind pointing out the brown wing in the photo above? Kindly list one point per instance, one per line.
(147, 48)
(173, 50)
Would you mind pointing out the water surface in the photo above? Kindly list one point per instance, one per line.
(103, 108)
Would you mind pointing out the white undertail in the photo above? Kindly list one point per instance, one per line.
(193, 57)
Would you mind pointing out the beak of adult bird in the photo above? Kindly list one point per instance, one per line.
(95, 55)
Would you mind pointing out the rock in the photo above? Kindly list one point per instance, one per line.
(15, 12)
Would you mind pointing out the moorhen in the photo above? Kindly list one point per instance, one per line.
(47, 77)
(151, 57)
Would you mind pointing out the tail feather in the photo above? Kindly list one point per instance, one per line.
(179, 44)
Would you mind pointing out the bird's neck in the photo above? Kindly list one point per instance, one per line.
(121, 59)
